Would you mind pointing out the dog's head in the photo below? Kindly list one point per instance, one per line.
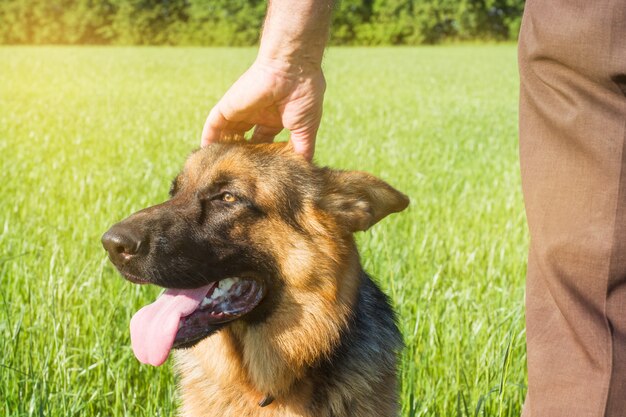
(245, 226)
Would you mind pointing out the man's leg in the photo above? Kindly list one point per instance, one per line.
(572, 148)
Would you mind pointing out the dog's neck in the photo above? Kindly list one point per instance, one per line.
(277, 353)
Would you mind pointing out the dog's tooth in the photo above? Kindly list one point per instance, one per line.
(226, 284)
(216, 293)
(205, 302)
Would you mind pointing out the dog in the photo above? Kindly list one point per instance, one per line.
(267, 307)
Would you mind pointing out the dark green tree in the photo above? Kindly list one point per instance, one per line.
(238, 22)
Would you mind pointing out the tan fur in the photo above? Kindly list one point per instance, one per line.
(228, 373)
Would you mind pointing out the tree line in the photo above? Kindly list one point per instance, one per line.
(238, 22)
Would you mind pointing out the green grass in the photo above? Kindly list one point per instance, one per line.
(89, 135)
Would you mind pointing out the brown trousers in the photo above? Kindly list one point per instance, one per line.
(572, 57)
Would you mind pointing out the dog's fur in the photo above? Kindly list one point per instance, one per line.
(323, 342)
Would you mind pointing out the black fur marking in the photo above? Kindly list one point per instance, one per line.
(369, 347)
(174, 186)
(185, 253)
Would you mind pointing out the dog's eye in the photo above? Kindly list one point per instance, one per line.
(229, 198)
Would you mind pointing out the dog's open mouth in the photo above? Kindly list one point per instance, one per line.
(181, 318)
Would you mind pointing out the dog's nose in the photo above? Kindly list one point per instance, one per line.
(123, 243)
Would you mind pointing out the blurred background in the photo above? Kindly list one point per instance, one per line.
(91, 133)
(237, 22)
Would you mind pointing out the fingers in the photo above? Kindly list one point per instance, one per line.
(213, 126)
(264, 134)
(217, 125)
(303, 142)
(270, 102)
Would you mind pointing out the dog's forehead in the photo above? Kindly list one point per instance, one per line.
(218, 163)
(258, 169)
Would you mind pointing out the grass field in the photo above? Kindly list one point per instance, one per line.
(88, 135)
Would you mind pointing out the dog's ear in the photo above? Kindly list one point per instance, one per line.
(358, 199)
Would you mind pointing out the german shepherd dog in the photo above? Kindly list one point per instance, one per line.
(265, 301)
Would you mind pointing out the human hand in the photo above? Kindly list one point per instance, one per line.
(270, 97)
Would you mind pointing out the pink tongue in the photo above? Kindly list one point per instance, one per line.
(154, 327)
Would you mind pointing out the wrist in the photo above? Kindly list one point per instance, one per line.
(289, 66)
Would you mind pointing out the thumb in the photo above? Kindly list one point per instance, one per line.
(303, 142)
